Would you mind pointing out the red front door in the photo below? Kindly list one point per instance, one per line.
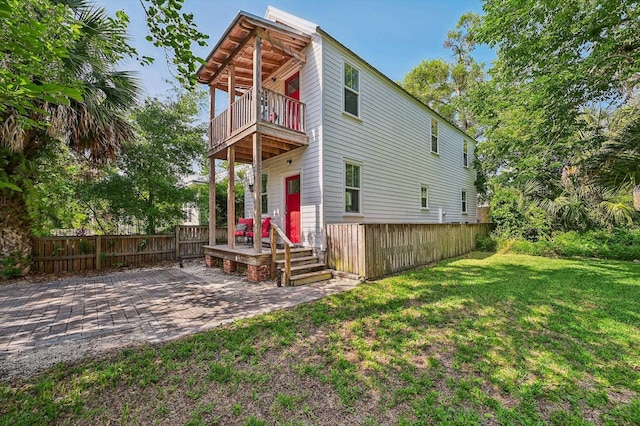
(292, 208)
(292, 111)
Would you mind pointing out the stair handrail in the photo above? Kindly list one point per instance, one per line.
(274, 232)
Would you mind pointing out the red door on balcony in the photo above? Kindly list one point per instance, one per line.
(292, 90)
(292, 208)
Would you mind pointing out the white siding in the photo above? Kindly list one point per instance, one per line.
(305, 161)
(392, 141)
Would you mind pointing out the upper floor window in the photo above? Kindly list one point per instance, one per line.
(351, 90)
(465, 154)
(351, 188)
(434, 136)
(424, 196)
(265, 194)
(464, 202)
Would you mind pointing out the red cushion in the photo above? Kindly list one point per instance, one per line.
(247, 221)
(266, 225)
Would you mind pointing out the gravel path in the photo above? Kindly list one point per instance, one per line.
(65, 320)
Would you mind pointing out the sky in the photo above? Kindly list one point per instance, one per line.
(393, 36)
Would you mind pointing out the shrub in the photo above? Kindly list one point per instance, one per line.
(486, 243)
(620, 244)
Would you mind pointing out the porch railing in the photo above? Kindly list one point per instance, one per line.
(282, 111)
(275, 108)
(219, 129)
(274, 232)
(242, 112)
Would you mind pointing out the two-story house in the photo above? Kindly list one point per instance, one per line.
(330, 139)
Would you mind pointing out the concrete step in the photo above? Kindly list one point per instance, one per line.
(312, 277)
(298, 261)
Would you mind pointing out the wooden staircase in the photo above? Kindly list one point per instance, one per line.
(305, 268)
(296, 265)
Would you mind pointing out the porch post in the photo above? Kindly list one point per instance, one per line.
(231, 89)
(257, 148)
(231, 198)
(212, 172)
(231, 159)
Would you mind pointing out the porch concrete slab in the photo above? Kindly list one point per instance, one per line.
(42, 324)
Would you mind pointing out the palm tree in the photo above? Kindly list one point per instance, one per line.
(616, 164)
(94, 128)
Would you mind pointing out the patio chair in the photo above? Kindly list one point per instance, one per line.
(266, 225)
(245, 225)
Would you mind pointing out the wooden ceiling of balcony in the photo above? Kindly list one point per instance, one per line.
(279, 44)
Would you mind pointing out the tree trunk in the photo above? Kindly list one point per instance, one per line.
(636, 197)
(15, 236)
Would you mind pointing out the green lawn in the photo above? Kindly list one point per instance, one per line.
(500, 339)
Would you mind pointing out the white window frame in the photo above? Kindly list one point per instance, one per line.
(464, 202)
(465, 153)
(346, 187)
(436, 136)
(424, 187)
(345, 87)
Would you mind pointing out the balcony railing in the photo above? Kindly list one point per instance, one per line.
(276, 109)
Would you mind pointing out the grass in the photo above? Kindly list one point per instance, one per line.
(502, 339)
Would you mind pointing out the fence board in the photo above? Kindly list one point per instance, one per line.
(75, 254)
(373, 250)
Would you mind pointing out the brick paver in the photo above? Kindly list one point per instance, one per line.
(158, 304)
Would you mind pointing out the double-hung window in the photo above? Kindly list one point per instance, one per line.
(351, 90)
(265, 194)
(465, 153)
(424, 197)
(463, 200)
(351, 188)
(434, 136)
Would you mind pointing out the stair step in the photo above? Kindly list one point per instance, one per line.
(296, 252)
(309, 267)
(298, 260)
(311, 277)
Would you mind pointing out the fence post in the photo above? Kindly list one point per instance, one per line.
(98, 250)
(177, 242)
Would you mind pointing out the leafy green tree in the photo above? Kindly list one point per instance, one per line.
(58, 85)
(555, 61)
(570, 53)
(93, 127)
(444, 85)
(147, 182)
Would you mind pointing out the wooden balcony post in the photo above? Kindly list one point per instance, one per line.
(212, 201)
(231, 89)
(257, 149)
(212, 113)
(231, 198)
(257, 76)
(212, 170)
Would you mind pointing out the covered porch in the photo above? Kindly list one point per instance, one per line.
(261, 121)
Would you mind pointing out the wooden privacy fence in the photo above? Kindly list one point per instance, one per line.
(74, 254)
(375, 250)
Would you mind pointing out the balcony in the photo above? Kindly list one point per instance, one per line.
(281, 123)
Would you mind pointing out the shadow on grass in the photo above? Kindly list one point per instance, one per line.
(519, 339)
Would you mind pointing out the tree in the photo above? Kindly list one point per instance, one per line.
(571, 53)
(444, 86)
(93, 127)
(555, 61)
(147, 182)
(58, 85)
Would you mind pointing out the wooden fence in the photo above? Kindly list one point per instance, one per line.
(375, 250)
(74, 254)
